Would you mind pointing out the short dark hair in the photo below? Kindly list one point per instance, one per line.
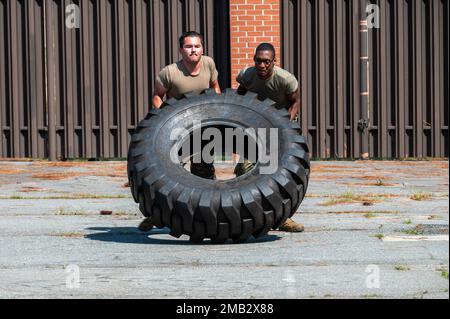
(190, 34)
(265, 47)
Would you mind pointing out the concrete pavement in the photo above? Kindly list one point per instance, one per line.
(373, 230)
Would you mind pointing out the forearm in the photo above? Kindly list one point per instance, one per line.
(157, 101)
(216, 87)
(294, 109)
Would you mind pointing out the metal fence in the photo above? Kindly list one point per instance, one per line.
(408, 78)
(79, 92)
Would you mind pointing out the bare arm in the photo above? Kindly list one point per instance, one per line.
(158, 95)
(215, 85)
(295, 107)
(241, 90)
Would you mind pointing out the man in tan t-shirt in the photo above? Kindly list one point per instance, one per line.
(270, 81)
(277, 84)
(195, 72)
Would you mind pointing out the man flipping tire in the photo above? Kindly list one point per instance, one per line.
(277, 84)
(195, 72)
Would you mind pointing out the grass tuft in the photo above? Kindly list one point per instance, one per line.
(402, 268)
(379, 183)
(349, 197)
(379, 236)
(416, 231)
(61, 211)
(421, 196)
(444, 272)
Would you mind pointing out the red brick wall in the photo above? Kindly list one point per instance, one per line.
(252, 22)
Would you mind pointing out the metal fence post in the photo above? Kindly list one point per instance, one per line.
(364, 121)
(50, 98)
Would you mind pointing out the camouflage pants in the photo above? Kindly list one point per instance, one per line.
(242, 168)
(203, 170)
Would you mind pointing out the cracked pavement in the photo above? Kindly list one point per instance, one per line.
(365, 237)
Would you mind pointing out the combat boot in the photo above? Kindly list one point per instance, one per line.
(291, 227)
(146, 225)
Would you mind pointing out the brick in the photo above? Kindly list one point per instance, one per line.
(263, 28)
(271, 12)
(241, 7)
(246, 18)
(239, 34)
(240, 56)
(237, 2)
(239, 23)
(263, 17)
(239, 44)
(271, 34)
(254, 34)
(254, 12)
(260, 2)
(271, 22)
(257, 23)
(262, 39)
(234, 50)
(243, 39)
(247, 28)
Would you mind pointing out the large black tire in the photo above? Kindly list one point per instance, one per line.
(249, 205)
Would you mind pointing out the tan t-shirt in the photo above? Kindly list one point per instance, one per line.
(177, 80)
(276, 88)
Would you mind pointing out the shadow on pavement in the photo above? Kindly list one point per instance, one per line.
(132, 235)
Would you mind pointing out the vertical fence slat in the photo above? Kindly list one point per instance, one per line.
(86, 91)
(445, 76)
(339, 125)
(385, 75)
(437, 64)
(70, 63)
(50, 81)
(355, 77)
(303, 75)
(400, 79)
(418, 74)
(29, 67)
(175, 29)
(321, 80)
(19, 114)
(209, 28)
(139, 65)
(3, 74)
(13, 76)
(60, 71)
(102, 53)
(121, 76)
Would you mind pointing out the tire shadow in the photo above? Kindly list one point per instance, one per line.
(132, 235)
